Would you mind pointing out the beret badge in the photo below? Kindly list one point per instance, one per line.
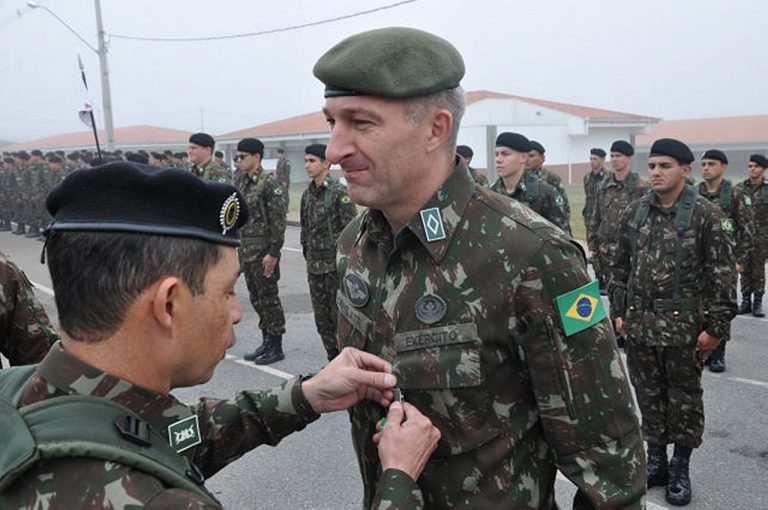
(230, 210)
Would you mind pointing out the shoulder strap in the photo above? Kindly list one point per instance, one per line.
(726, 189)
(531, 186)
(683, 216)
(85, 426)
(642, 212)
(632, 182)
(13, 381)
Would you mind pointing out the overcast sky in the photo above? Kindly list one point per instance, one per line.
(663, 58)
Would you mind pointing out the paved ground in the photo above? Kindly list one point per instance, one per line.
(316, 468)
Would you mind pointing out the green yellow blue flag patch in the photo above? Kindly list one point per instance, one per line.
(580, 308)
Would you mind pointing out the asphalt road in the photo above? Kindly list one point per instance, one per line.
(316, 468)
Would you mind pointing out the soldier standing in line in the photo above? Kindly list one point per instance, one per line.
(673, 287)
(283, 173)
(325, 211)
(458, 286)
(592, 181)
(7, 186)
(737, 222)
(613, 196)
(514, 181)
(262, 239)
(535, 163)
(466, 152)
(201, 157)
(755, 188)
(26, 333)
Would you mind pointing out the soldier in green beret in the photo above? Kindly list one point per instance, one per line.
(485, 310)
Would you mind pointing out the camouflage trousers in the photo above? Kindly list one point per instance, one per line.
(753, 277)
(322, 290)
(264, 297)
(667, 383)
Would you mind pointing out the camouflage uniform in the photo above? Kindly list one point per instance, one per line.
(513, 397)
(738, 222)
(613, 196)
(753, 278)
(665, 310)
(480, 179)
(283, 173)
(544, 201)
(25, 332)
(263, 234)
(212, 171)
(325, 211)
(556, 182)
(592, 181)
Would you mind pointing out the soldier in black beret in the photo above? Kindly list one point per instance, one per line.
(466, 152)
(201, 146)
(755, 188)
(219, 157)
(535, 164)
(622, 147)
(592, 181)
(137, 157)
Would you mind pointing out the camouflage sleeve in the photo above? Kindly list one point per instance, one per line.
(620, 265)
(594, 224)
(566, 205)
(555, 211)
(276, 210)
(745, 234)
(720, 273)
(397, 491)
(304, 221)
(230, 428)
(26, 334)
(580, 385)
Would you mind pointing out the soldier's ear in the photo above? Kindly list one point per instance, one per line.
(165, 297)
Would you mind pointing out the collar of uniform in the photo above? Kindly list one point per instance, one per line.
(613, 181)
(74, 376)
(255, 176)
(666, 210)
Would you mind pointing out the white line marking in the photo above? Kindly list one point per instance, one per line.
(288, 248)
(266, 369)
(748, 381)
(42, 288)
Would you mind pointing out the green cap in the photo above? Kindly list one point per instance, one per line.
(394, 62)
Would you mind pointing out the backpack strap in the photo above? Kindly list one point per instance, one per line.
(726, 190)
(683, 216)
(531, 187)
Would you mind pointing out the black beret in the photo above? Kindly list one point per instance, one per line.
(8, 160)
(623, 147)
(395, 62)
(23, 155)
(672, 148)
(73, 156)
(36, 152)
(168, 152)
(137, 157)
(202, 139)
(179, 155)
(218, 154)
(316, 149)
(536, 146)
(717, 155)
(54, 158)
(514, 141)
(759, 160)
(129, 197)
(597, 152)
(465, 151)
(251, 146)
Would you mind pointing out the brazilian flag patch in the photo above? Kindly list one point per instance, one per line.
(580, 308)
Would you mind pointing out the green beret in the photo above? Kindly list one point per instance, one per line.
(394, 62)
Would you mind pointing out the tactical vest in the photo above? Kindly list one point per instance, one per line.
(83, 426)
(683, 216)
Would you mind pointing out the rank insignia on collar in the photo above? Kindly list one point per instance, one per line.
(430, 309)
(356, 290)
(184, 434)
(230, 210)
(433, 224)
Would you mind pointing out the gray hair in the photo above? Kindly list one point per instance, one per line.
(452, 100)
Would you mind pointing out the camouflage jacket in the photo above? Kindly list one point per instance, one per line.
(26, 333)
(556, 182)
(758, 198)
(468, 320)
(283, 172)
(547, 201)
(738, 221)
(613, 197)
(643, 275)
(213, 171)
(325, 211)
(265, 230)
(592, 181)
(479, 178)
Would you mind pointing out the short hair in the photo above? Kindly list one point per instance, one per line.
(98, 276)
(452, 100)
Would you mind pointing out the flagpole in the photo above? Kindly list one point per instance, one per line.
(90, 111)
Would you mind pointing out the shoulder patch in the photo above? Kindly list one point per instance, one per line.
(345, 199)
(727, 225)
(747, 199)
(278, 191)
(580, 308)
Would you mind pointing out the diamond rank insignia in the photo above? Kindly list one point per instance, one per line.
(433, 224)
(581, 308)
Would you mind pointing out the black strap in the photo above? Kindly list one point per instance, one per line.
(683, 216)
(726, 190)
(531, 182)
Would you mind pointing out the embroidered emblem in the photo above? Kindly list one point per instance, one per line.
(430, 309)
(184, 434)
(229, 213)
(433, 224)
(356, 290)
(727, 225)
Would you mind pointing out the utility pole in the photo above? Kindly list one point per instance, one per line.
(106, 94)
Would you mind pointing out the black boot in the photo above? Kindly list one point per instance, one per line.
(273, 351)
(250, 356)
(717, 359)
(5, 226)
(679, 487)
(757, 306)
(656, 467)
(746, 304)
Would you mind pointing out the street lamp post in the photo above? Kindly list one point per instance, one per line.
(101, 51)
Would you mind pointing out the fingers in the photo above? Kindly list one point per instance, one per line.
(367, 360)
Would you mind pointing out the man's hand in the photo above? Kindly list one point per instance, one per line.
(705, 344)
(406, 440)
(352, 376)
(268, 263)
(619, 326)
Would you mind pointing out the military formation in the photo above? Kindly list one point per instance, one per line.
(475, 297)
